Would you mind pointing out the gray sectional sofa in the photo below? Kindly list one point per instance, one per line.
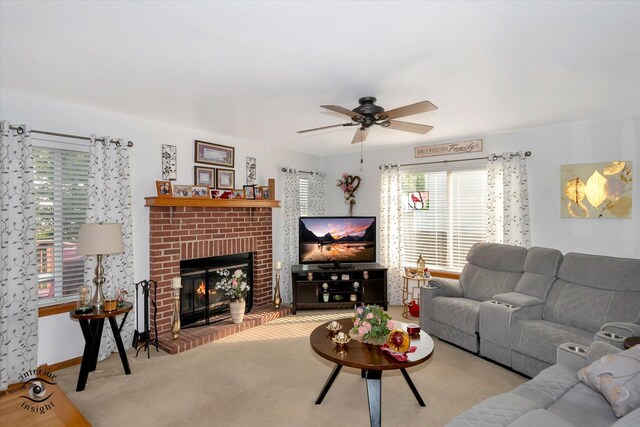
(554, 398)
(516, 306)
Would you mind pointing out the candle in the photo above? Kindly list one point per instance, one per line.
(334, 324)
(176, 283)
(278, 265)
(340, 335)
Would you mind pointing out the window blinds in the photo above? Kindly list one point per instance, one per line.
(303, 184)
(61, 183)
(443, 229)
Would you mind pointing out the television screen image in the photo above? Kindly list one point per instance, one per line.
(337, 240)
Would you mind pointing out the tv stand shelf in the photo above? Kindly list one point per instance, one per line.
(345, 286)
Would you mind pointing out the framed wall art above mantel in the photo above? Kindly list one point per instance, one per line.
(214, 154)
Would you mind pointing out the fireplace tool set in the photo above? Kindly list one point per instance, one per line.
(143, 339)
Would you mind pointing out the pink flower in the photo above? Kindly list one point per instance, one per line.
(390, 324)
(366, 326)
(356, 322)
(359, 310)
(362, 330)
(369, 315)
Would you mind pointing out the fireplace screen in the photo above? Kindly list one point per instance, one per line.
(200, 302)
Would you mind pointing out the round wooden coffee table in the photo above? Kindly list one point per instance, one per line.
(370, 360)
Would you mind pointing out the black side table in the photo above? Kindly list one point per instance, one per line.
(92, 325)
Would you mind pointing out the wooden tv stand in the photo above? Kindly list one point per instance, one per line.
(308, 291)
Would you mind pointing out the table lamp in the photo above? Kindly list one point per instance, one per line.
(99, 239)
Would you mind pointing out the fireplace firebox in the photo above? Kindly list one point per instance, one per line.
(200, 302)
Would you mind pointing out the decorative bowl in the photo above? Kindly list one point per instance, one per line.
(398, 340)
(341, 339)
(413, 329)
(334, 327)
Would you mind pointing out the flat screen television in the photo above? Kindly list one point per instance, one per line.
(337, 240)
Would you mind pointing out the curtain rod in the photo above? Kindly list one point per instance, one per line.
(20, 130)
(307, 172)
(492, 157)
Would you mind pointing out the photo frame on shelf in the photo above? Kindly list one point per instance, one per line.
(238, 193)
(164, 188)
(169, 162)
(249, 192)
(182, 190)
(200, 191)
(225, 179)
(266, 192)
(204, 176)
(214, 154)
(221, 194)
(257, 193)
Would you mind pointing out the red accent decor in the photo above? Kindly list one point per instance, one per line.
(414, 309)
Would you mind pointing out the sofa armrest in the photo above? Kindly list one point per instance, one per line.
(624, 329)
(443, 287)
(518, 299)
(599, 349)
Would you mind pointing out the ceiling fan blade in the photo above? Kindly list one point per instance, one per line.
(408, 127)
(326, 127)
(408, 110)
(360, 136)
(342, 110)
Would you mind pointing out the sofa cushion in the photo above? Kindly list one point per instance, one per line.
(548, 386)
(597, 271)
(617, 377)
(491, 269)
(500, 410)
(540, 418)
(461, 313)
(540, 269)
(584, 407)
(539, 339)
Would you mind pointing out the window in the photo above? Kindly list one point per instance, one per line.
(303, 183)
(61, 182)
(443, 215)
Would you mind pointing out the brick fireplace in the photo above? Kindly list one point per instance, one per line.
(190, 232)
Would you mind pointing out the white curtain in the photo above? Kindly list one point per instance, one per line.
(391, 232)
(508, 199)
(291, 214)
(110, 202)
(18, 276)
(317, 194)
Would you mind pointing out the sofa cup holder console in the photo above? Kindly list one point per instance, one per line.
(503, 304)
(613, 336)
(576, 349)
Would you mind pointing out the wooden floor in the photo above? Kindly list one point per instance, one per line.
(57, 410)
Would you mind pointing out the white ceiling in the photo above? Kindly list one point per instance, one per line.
(260, 70)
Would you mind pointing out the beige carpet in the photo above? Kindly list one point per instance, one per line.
(269, 376)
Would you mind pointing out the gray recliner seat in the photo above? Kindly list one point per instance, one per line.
(450, 308)
(592, 298)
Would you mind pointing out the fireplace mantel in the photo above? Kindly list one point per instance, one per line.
(210, 203)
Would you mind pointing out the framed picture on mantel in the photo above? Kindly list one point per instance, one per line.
(214, 154)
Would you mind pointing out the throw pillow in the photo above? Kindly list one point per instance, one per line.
(617, 377)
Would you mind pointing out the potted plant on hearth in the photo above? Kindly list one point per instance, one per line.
(235, 287)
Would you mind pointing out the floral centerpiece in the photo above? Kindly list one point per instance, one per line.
(371, 325)
(121, 296)
(349, 184)
(233, 285)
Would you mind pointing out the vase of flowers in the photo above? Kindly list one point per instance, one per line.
(235, 287)
(349, 184)
(371, 325)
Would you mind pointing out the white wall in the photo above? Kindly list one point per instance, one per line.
(148, 137)
(597, 141)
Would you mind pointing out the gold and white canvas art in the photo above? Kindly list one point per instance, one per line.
(596, 190)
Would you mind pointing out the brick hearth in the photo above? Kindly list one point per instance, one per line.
(181, 233)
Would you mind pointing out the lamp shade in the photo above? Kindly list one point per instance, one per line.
(100, 239)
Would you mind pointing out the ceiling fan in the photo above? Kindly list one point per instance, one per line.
(368, 114)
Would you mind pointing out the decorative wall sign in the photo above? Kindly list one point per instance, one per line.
(596, 190)
(452, 148)
(214, 154)
(169, 163)
(251, 170)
